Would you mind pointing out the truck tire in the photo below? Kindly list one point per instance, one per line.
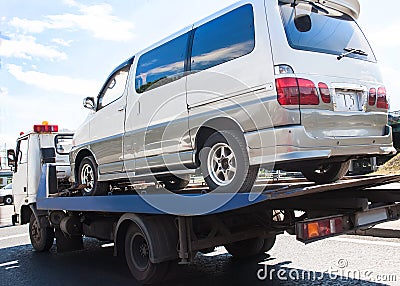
(224, 162)
(8, 200)
(41, 238)
(87, 175)
(327, 173)
(174, 183)
(269, 242)
(251, 247)
(138, 258)
(246, 248)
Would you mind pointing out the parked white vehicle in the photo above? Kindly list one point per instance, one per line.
(6, 196)
(45, 144)
(293, 85)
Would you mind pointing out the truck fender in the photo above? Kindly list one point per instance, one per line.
(40, 216)
(160, 230)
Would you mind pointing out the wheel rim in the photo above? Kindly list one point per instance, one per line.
(87, 178)
(221, 164)
(8, 201)
(140, 252)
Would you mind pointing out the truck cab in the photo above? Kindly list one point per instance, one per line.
(45, 144)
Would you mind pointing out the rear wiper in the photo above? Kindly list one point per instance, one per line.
(350, 51)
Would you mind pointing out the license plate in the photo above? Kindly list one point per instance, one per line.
(347, 101)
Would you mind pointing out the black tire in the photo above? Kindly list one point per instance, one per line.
(269, 242)
(327, 173)
(87, 175)
(8, 200)
(219, 174)
(175, 183)
(42, 239)
(137, 257)
(246, 248)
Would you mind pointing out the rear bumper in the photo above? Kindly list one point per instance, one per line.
(293, 143)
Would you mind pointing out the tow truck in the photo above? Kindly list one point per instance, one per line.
(153, 229)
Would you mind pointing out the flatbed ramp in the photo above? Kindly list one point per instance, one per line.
(360, 191)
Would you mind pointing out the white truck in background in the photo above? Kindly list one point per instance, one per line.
(41, 146)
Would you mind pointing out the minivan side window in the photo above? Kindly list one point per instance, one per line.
(224, 39)
(162, 65)
(115, 88)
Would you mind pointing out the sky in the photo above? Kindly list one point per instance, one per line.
(55, 53)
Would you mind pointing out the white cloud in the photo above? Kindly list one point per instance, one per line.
(55, 83)
(34, 110)
(3, 92)
(26, 47)
(96, 19)
(31, 26)
(71, 3)
(62, 42)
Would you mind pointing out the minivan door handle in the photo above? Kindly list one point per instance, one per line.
(122, 108)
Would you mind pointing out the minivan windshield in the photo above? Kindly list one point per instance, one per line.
(331, 33)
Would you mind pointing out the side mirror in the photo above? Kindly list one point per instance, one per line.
(88, 103)
(11, 158)
(303, 23)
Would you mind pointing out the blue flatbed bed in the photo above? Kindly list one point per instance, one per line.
(196, 201)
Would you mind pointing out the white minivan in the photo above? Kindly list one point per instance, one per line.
(283, 84)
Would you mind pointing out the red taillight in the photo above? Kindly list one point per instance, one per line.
(372, 97)
(307, 231)
(296, 91)
(382, 101)
(308, 92)
(45, 128)
(325, 93)
(288, 91)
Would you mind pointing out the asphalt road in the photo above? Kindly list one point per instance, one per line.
(345, 260)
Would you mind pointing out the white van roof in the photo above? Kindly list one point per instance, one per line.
(349, 7)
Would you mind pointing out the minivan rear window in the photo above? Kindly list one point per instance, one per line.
(330, 33)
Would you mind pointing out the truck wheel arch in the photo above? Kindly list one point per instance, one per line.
(161, 231)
